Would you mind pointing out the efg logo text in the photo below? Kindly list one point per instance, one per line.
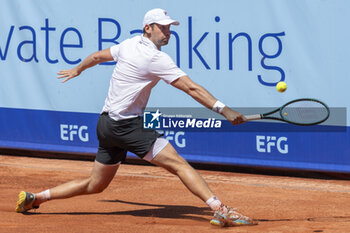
(266, 144)
(74, 132)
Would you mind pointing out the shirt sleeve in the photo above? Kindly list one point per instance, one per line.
(163, 67)
(115, 52)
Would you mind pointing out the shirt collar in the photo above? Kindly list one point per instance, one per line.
(148, 42)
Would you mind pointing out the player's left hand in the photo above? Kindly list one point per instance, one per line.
(68, 74)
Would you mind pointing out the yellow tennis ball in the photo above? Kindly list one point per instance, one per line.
(281, 86)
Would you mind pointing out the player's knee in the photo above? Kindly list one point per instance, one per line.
(180, 165)
(99, 189)
(173, 162)
(96, 187)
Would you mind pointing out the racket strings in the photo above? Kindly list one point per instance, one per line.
(305, 112)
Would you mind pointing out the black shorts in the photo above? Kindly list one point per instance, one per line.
(118, 137)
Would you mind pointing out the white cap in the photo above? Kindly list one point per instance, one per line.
(158, 16)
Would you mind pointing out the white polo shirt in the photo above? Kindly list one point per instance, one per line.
(140, 65)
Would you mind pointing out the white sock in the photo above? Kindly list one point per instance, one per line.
(46, 194)
(214, 203)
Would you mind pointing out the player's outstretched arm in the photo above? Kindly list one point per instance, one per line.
(202, 96)
(92, 60)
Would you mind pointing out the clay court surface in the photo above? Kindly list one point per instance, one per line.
(148, 199)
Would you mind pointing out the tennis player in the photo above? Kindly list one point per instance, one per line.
(140, 65)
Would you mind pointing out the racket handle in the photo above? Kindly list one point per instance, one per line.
(253, 117)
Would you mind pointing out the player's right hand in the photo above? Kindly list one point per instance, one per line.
(234, 117)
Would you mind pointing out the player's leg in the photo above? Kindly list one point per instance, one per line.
(107, 162)
(164, 155)
(101, 176)
(99, 179)
(169, 159)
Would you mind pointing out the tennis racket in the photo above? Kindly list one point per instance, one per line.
(303, 111)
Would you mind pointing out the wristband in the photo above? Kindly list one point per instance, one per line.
(218, 107)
